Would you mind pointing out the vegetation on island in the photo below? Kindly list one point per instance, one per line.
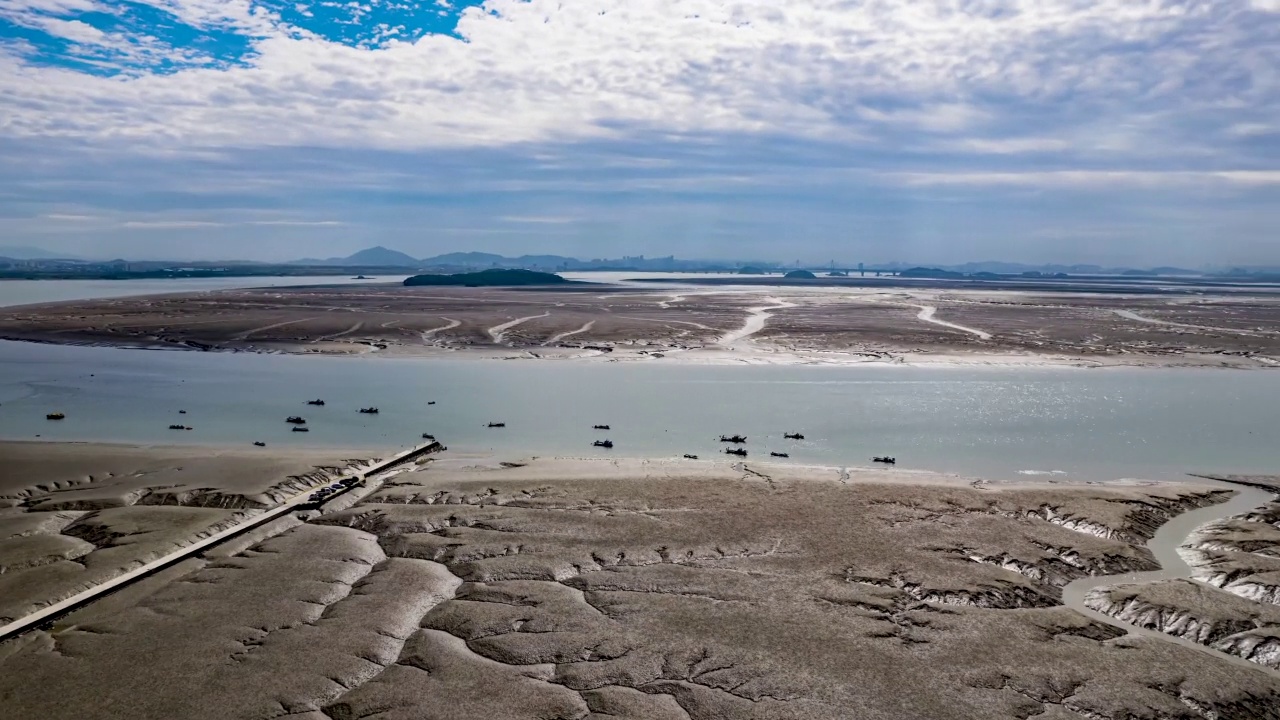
(489, 278)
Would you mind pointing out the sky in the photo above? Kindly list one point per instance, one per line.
(1117, 132)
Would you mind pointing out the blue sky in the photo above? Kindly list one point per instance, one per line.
(1114, 131)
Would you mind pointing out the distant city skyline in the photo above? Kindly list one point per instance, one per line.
(1033, 131)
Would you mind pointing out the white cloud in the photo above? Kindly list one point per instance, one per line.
(545, 71)
(169, 224)
(1088, 177)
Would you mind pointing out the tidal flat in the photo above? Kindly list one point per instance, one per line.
(517, 587)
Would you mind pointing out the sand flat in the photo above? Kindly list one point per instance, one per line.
(77, 514)
(796, 323)
(564, 588)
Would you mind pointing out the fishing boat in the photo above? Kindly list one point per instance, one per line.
(739, 439)
(600, 427)
(428, 436)
(431, 402)
(295, 420)
(497, 425)
(690, 457)
(260, 444)
(885, 460)
(603, 444)
(179, 427)
(55, 416)
(793, 436)
(740, 452)
(369, 410)
(318, 402)
(779, 455)
(301, 429)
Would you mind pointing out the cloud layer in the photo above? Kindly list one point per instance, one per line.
(679, 102)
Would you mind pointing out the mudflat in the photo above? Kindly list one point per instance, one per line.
(73, 515)
(563, 588)
(785, 324)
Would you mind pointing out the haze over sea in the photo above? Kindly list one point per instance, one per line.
(989, 422)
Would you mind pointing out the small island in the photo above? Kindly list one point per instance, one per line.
(489, 278)
(800, 275)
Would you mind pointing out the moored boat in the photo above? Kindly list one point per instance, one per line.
(740, 452)
(739, 439)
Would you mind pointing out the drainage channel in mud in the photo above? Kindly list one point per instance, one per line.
(1164, 545)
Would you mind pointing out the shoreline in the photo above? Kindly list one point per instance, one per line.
(726, 357)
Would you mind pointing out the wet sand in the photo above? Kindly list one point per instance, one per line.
(73, 515)
(792, 325)
(514, 587)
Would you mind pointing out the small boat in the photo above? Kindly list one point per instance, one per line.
(295, 420)
(740, 452)
(793, 436)
(55, 416)
(182, 412)
(601, 427)
(428, 436)
(886, 460)
(739, 439)
(603, 444)
(260, 444)
(369, 410)
(317, 402)
(431, 402)
(497, 425)
(778, 454)
(690, 457)
(180, 427)
(301, 429)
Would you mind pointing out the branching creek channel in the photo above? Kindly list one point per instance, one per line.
(1164, 545)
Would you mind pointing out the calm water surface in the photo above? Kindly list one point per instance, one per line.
(1093, 424)
(29, 292)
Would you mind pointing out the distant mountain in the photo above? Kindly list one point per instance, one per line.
(31, 253)
(382, 257)
(465, 259)
(371, 257)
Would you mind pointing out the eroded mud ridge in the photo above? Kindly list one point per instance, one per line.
(725, 595)
(1240, 554)
(74, 516)
(1197, 613)
(829, 324)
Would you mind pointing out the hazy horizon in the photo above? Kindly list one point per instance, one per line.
(941, 132)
